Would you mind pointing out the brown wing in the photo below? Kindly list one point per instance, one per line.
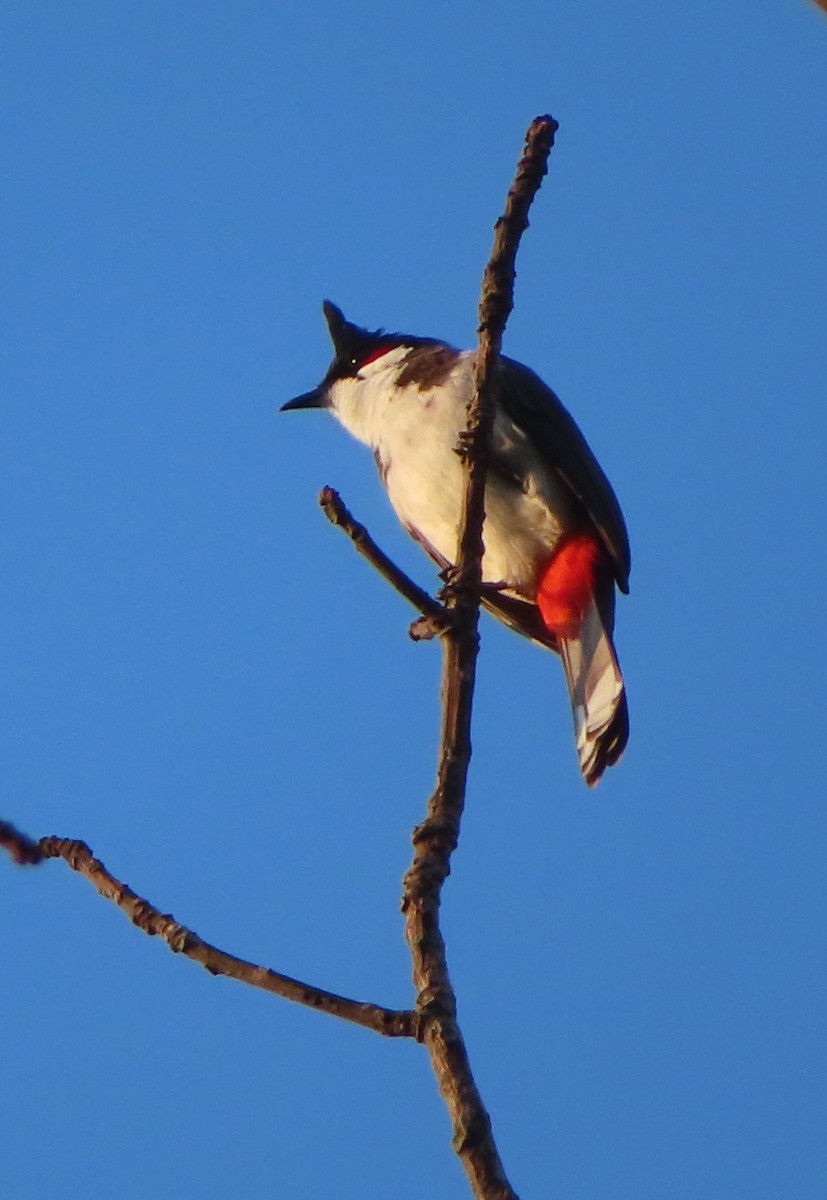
(535, 409)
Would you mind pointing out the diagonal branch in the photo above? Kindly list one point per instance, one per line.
(436, 838)
(434, 615)
(23, 849)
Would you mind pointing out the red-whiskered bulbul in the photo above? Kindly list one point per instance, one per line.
(556, 544)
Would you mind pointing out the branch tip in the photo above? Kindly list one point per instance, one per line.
(22, 849)
(434, 616)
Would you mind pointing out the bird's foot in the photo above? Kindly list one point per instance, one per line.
(453, 583)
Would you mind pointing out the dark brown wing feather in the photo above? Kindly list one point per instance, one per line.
(535, 409)
(521, 616)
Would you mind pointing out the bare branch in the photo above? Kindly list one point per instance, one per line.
(436, 618)
(387, 1021)
(436, 838)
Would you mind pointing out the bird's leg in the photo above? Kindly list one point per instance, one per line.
(451, 581)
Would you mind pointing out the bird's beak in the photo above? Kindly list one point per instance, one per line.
(315, 399)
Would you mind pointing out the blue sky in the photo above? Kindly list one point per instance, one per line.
(202, 680)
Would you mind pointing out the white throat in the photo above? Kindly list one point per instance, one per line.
(362, 401)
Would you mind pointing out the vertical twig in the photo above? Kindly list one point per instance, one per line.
(436, 838)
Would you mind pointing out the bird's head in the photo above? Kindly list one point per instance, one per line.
(359, 356)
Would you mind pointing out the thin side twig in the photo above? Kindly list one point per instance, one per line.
(436, 838)
(435, 614)
(387, 1021)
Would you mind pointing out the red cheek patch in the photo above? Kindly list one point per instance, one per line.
(566, 583)
(372, 357)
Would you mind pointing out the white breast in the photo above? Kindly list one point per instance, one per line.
(414, 433)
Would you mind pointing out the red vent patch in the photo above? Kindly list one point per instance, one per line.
(566, 584)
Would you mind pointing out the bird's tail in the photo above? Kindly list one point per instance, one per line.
(576, 602)
(598, 697)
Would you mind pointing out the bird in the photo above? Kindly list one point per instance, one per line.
(556, 547)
